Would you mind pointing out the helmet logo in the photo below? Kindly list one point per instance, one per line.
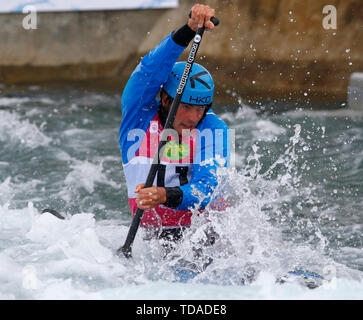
(196, 78)
(200, 100)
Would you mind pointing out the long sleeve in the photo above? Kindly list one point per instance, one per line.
(146, 80)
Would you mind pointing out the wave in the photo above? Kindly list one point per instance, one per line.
(17, 131)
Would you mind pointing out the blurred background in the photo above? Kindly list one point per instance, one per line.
(263, 49)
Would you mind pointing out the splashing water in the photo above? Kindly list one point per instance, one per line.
(249, 233)
(294, 199)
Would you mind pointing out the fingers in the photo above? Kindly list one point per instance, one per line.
(139, 187)
(148, 198)
(209, 24)
(201, 15)
(147, 191)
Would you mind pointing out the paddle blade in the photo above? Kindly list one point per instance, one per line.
(54, 213)
(126, 251)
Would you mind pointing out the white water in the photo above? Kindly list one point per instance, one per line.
(42, 257)
(47, 258)
(15, 131)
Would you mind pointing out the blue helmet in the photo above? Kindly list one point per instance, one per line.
(199, 87)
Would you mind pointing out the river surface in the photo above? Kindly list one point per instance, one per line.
(295, 191)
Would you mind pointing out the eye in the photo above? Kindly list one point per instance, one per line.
(187, 107)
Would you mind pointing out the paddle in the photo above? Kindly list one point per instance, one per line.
(127, 247)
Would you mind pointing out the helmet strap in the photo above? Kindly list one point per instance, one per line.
(163, 111)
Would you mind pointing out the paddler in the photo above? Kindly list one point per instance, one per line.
(199, 145)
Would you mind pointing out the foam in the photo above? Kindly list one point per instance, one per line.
(19, 131)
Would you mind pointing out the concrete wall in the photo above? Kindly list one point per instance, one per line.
(262, 49)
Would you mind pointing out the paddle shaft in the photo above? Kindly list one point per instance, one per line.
(127, 247)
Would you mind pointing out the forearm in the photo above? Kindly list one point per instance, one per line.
(153, 70)
(183, 197)
(173, 196)
(160, 60)
(183, 35)
(203, 183)
(200, 190)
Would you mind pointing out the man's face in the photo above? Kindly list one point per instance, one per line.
(187, 117)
